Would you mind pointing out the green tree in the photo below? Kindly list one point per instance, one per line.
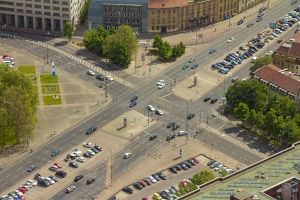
(241, 112)
(203, 177)
(223, 173)
(94, 40)
(252, 117)
(269, 121)
(165, 51)
(119, 54)
(260, 62)
(158, 42)
(84, 12)
(68, 30)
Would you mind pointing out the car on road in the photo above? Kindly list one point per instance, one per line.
(127, 155)
(170, 124)
(78, 177)
(134, 98)
(185, 66)
(160, 82)
(230, 40)
(260, 14)
(212, 50)
(90, 181)
(132, 104)
(70, 188)
(31, 168)
(170, 137)
(250, 24)
(192, 60)
(90, 72)
(181, 133)
(159, 112)
(100, 77)
(87, 144)
(127, 190)
(213, 100)
(73, 164)
(234, 79)
(91, 130)
(194, 66)
(262, 9)
(191, 115)
(206, 99)
(240, 22)
(54, 153)
(259, 19)
(152, 137)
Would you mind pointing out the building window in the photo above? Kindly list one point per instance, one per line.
(65, 15)
(56, 14)
(47, 1)
(169, 11)
(153, 11)
(169, 27)
(220, 9)
(158, 11)
(164, 11)
(173, 26)
(38, 1)
(65, 9)
(168, 19)
(173, 19)
(153, 20)
(38, 6)
(28, 5)
(19, 4)
(47, 13)
(157, 28)
(174, 10)
(20, 10)
(55, 8)
(153, 28)
(47, 7)
(158, 20)
(163, 20)
(29, 11)
(63, 3)
(38, 12)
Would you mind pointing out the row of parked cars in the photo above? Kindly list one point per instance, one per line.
(20, 191)
(216, 166)
(184, 165)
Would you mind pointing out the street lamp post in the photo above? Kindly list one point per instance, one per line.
(2, 32)
(47, 50)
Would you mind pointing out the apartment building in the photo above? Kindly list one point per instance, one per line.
(44, 15)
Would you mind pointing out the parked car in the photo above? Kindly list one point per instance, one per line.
(61, 173)
(192, 60)
(174, 170)
(181, 133)
(128, 190)
(87, 144)
(191, 115)
(100, 77)
(151, 108)
(206, 99)
(53, 168)
(213, 100)
(170, 137)
(159, 112)
(73, 164)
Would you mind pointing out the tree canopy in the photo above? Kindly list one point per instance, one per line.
(68, 30)
(260, 62)
(18, 106)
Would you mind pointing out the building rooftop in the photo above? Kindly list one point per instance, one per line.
(274, 75)
(256, 178)
(167, 3)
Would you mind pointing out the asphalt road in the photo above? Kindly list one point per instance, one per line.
(148, 93)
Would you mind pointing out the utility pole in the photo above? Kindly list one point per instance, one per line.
(111, 168)
(106, 89)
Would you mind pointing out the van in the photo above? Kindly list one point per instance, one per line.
(253, 59)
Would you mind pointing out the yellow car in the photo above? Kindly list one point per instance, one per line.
(156, 196)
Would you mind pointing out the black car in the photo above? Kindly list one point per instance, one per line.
(73, 164)
(175, 127)
(113, 198)
(87, 155)
(262, 9)
(31, 168)
(214, 100)
(189, 165)
(91, 130)
(61, 173)
(37, 176)
(206, 99)
(174, 170)
(156, 177)
(259, 19)
(78, 177)
(170, 124)
(100, 77)
(191, 161)
(162, 176)
(211, 162)
(134, 98)
(138, 186)
(194, 66)
(170, 137)
(128, 190)
(54, 153)
(98, 148)
(184, 166)
(90, 180)
(95, 150)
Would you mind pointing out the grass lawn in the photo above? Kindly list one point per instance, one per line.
(35, 90)
(32, 78)
(50, 100)
(48, 79)
(50, 89)
(27, 69)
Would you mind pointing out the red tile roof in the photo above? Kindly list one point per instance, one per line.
(296, 37)
(292, 50)
(272, 74)
(167, 3)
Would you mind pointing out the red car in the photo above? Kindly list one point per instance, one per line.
(279, 41)
(23, 190)
(196, 159)
(58, 165)
(145, 198)
(143, 183)
(5, 55)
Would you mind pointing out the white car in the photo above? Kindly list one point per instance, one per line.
(269, 53)
(160, 82)
(32, 182)
(270, 37)
(127, 155)
(11, 60)
(50, 180)
(80, 159)
(70, 188)
(151, 108)
(230, 40)
(90, 72)
(274, 34)
(192, 60)
(159, 112)
(77, 152)
(181, 133)
(223, 98)
(87, 144)
(91, 152)
(18, 192)
(161, 86)
(153, 180)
